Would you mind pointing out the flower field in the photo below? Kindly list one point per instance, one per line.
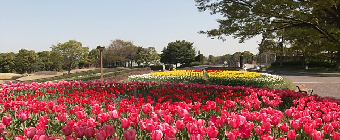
(214, 77)
(169, 111)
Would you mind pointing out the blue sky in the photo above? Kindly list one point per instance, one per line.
(38, 24)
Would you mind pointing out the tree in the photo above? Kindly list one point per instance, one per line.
(154, 56)
(199, 57)
(120, 51)
(71, 53)
(7, 62)
(24, 61)
(93, 57)
(211, 59)
(178, 52)
(245, 19)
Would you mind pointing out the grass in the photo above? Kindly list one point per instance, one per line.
(8, 76)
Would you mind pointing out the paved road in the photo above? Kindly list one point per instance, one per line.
(325, 84)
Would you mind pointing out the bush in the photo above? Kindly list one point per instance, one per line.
(195, 64)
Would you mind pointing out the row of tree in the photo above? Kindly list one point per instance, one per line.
(71, 54)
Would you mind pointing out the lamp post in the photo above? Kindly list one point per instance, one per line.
(101, 61)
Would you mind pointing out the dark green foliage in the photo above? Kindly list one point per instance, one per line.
(178, 52)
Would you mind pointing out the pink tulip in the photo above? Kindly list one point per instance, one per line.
(125, 123)
(170, 131)
(2, 126)
(212, 131)
(29, 132)
(39, 137)
(114, 114)
(291, 134)
(109, 129)
(129, 134)
(101, 135)
(169, 138)
(67, 130)
(79, 131)
(327, 128)
(89, 132)
(19, 138)
(317, 135)
(6, 120)
(258, 130)
(40, 132)
(156, 135)
(196, 137)
(70, 138)
(180, 124)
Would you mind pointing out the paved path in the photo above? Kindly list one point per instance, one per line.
(325, 85)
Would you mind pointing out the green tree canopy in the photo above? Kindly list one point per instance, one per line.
(71, 52)
(178, 52)
(24, 61)
(245, 19)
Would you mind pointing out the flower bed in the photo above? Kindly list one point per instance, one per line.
(214, 77)
(138, 110)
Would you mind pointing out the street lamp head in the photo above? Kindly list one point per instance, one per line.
(101, 48)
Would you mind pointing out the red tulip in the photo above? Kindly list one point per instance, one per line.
(6, 120)
(335, 135)
(267, 137)
(156, 135)
(170, 131)
(284, 127)
(231, 135)
(80, 114)
(67, 130)
(147, 108)
(61, 117)
(29, 132)
(103, 117)
(295, 124)
(291, 134)
(125, 123)
(258, 130)
(129, 134)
